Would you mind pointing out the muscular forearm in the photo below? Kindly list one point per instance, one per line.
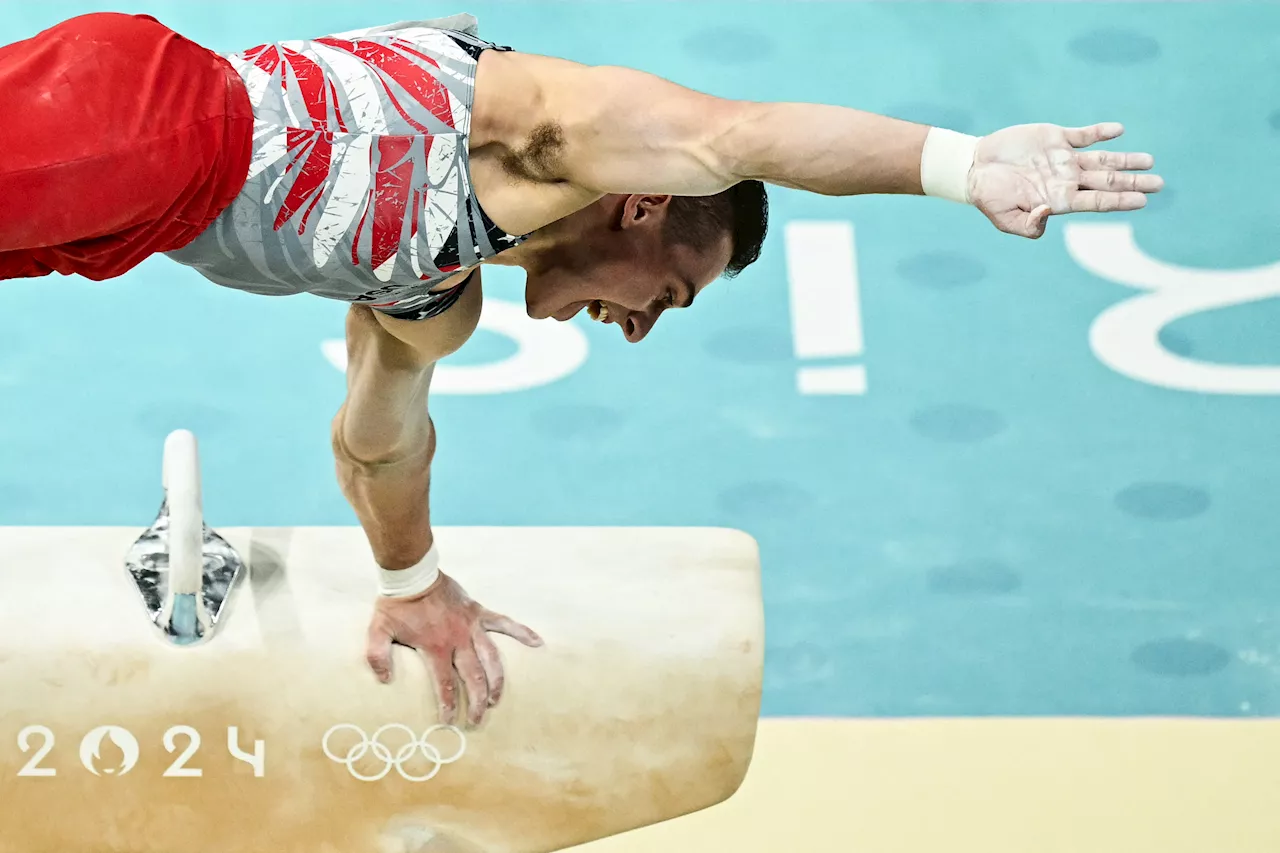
(390, 498)
(823, 149)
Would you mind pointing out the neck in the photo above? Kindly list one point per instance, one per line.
(529, 255)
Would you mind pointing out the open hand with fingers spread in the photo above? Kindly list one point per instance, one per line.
(1022, 175)
(450, 631)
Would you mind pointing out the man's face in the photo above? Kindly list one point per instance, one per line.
(611, 260)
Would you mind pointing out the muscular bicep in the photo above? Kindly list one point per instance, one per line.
(617, 130)
(384, 417)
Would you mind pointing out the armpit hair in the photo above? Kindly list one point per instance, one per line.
(539, 158)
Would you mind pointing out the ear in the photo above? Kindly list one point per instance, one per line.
(644, 210)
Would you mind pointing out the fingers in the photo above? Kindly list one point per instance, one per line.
(480, 668)
(1036, 221)
(1083, 137)
(1022, 223)
(473, 666)
(491, 661)
(1093, 201)
(378, 654)
(440, 665)
(467, 662)
(1120, 182)
(500, 624)
(1092, 161)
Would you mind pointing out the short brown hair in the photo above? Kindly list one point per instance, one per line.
(742, 211)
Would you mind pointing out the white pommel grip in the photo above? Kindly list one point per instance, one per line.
(945, 163)
(181, 478)
(413, 581)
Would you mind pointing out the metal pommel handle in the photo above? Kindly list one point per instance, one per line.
(183, 570)
(181, 479)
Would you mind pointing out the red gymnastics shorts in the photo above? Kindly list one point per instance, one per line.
(119, 139)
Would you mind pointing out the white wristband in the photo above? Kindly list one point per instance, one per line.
(945, 164)
(415, 580)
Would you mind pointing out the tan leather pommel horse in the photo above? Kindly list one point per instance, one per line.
(205, 693)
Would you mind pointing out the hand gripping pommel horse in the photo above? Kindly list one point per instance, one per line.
(233, 712)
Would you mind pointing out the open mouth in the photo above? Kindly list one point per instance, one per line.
(598, 311)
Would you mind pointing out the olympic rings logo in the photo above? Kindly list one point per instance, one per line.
(393, 760)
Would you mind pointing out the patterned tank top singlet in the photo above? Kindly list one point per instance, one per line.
(360, 182)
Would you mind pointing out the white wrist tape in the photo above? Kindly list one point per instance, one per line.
(415, 580)
(945, 164)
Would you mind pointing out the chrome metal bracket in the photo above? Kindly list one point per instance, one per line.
(184, 571)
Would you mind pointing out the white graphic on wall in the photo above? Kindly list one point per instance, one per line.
(1126, 337)
(827, 328)
(826, 313)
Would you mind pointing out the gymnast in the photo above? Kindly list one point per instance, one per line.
(386, 168)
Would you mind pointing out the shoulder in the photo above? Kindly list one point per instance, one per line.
(526, 121)
(527, 103)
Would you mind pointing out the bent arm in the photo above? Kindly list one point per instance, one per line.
(383, 436)
(627, 131)
(384, 442)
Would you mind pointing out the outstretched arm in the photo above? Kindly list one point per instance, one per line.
(616, 130)
(628, 131)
